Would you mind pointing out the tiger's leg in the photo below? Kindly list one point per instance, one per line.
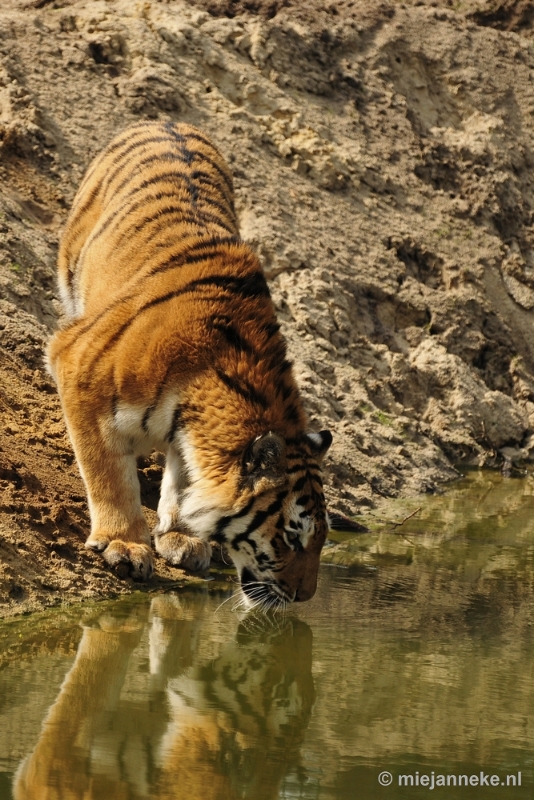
(118, 527)
(108, 467)
(177, 548)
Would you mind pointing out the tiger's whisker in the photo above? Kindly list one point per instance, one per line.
(223, 602)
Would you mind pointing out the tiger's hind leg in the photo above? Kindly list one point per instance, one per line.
(179, 549)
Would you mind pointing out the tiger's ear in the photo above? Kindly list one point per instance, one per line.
(319, 442)
(264, 461)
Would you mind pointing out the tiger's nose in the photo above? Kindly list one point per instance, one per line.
(303, 594)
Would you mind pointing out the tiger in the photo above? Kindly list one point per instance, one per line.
(170, 342)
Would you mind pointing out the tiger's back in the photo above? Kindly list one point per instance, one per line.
(146, 182)
(170, 341)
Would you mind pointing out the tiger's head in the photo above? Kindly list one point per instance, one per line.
(276, 537)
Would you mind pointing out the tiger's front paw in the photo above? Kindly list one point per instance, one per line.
(184, 551)
(130, 559)
(98, 540)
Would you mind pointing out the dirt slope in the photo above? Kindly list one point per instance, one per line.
(382, 154)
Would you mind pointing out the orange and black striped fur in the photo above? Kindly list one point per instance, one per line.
(171, 342)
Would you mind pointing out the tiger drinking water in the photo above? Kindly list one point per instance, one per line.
(170, 342)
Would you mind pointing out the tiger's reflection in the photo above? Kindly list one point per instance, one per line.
(220, 725)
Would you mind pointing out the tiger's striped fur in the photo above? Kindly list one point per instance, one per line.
(170, 341)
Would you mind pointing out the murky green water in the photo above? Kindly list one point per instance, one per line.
(415, 657)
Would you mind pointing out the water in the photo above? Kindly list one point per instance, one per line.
(415, 657)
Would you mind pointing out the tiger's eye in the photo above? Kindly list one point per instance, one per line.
(292, 535)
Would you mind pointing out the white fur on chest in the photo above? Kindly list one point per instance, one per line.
(145, 427)
(186, 496)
